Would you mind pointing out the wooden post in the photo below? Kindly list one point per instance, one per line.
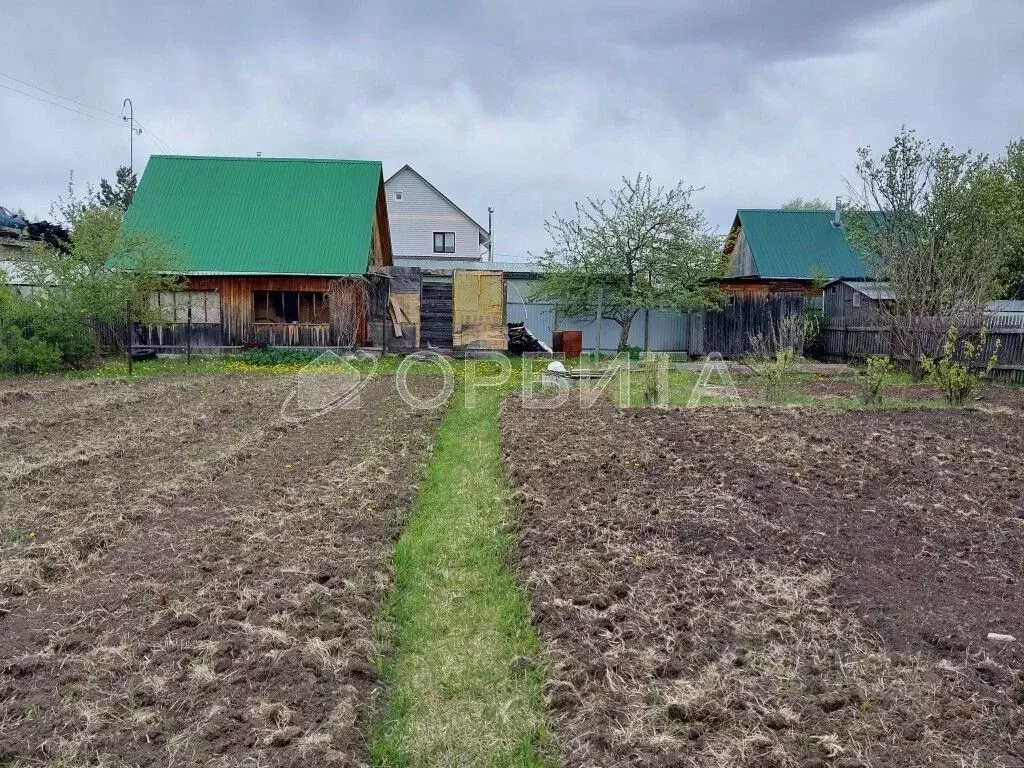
(647, 330)
(384, 317)
(188, 333)
(128, 331)
(600, 321)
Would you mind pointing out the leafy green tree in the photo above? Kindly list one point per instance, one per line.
(930, 222)
(811, 204)
(85, 285)
(120, 195)
(645, 247)
(1011, 275)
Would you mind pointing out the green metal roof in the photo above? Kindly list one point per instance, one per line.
(260, 216)
(799, 244)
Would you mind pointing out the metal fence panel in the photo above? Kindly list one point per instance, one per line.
(666, 331)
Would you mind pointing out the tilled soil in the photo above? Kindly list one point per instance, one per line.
(988, 396)
(224, 615)
(775, 587)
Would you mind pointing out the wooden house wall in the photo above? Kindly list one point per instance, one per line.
(754, 286)
(839, 303)
(238, 325)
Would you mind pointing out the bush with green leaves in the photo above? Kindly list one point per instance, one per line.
(654, 377)
(874, 379)
(80, 288)
(962, 367)
(279, 356)
(37, 337)
(773, 354)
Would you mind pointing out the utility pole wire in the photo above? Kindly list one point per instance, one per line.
(156, 138)
(57, 104)
(57, 95)
(159, 142)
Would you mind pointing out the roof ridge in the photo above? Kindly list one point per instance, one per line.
(268, 159)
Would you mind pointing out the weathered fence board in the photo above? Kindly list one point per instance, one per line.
(857, 341)
(729, 331)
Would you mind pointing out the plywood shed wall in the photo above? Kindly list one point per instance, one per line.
(479, 311)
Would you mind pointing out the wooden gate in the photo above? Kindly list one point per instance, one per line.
(436, 315)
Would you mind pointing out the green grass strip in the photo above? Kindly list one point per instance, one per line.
(465, 678)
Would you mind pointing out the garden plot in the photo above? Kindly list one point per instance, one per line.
(775, 587)
(188, 579)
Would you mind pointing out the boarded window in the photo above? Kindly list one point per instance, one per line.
(290, 307)
(173, 305)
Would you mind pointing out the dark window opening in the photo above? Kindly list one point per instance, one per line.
(444, 242)
(290, 307)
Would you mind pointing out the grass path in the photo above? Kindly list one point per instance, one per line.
(465, 685)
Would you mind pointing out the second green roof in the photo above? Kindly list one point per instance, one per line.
(260, 216)
(798, 244)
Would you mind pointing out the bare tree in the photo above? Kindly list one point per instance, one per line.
(645, 248)
(930, 223)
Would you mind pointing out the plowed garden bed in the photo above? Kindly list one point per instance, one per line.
(775, 587)
(186, 579)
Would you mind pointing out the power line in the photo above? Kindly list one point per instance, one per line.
(160, 143)
(57, 95)
(157, 139)
(62, 106)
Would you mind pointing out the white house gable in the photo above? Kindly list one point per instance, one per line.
(425, 223)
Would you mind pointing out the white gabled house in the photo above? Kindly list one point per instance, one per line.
(425, 223)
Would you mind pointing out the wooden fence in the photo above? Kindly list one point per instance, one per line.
(857, 340)
(728, 332)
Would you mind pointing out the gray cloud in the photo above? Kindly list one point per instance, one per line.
(525, 106)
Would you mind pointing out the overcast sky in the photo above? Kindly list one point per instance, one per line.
(524, 106)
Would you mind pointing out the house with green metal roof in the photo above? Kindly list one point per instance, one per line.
(773, 250)
(272, 249)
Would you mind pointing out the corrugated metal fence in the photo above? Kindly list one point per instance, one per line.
(664, 331)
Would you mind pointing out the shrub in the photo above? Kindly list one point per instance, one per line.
(27, 354)
(874, 379)
(37, 337)
(958, 378)
(773, 374)
(773, 353)
(277, 356)
(655, 378)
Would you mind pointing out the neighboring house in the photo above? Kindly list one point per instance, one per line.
(788, 251)
(13, 274)
(269, 246)
(426, 224)
(853, 299)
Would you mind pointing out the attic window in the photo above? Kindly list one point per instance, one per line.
(398, 196)
(856, 299)
(444, 242)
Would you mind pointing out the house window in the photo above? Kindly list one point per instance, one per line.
(856, 299)
(398, 196)
(173, 306)
(444, 242)
(290, 307)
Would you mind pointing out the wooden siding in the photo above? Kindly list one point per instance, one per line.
(841, 303)
(238, 326)
(381, 254)
(752, 286)
(420, 213)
